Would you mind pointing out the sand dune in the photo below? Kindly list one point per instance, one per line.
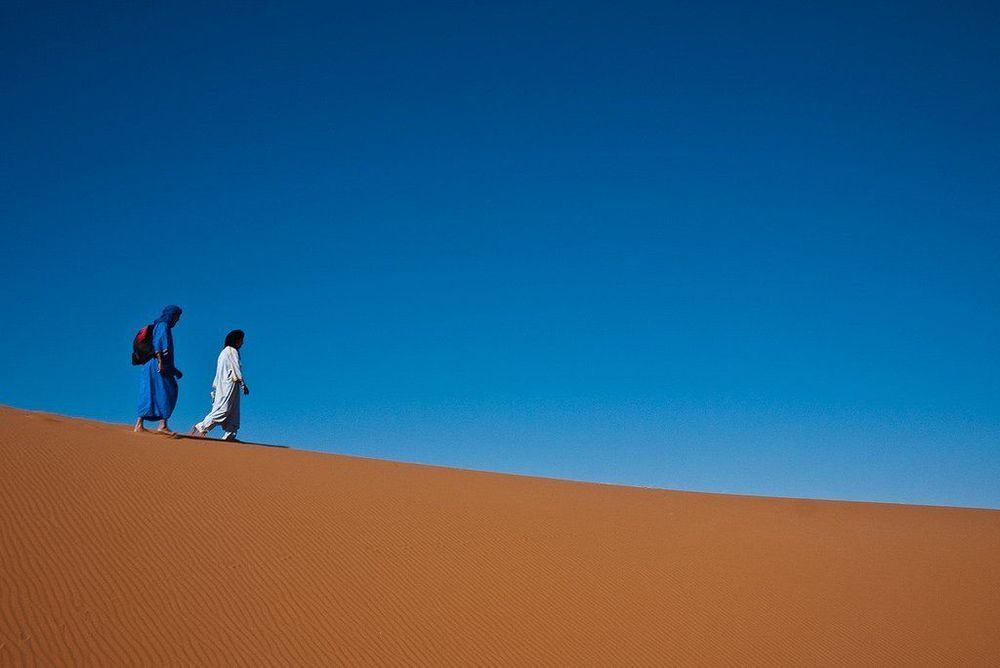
(124, 549)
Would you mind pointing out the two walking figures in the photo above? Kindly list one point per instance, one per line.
(153, 350)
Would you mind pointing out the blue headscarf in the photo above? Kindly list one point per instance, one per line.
(168, 315)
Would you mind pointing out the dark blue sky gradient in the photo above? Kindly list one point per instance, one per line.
(746, 247)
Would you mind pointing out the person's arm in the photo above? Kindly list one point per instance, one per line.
(234, 365)
(237, 369)
(160, 343)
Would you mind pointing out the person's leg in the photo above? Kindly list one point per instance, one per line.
(208, 424)
(164, 429)
(211, 421)
(216, 416)
(201, 430)
(231, 423)
(145, 406)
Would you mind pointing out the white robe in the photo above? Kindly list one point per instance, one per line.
(225, 394)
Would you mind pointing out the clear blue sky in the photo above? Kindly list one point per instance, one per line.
(731, 247)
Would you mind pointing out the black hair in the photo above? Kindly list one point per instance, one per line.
(233, 337)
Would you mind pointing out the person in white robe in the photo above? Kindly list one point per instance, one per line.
(226, 389)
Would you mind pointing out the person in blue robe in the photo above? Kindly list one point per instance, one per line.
(158, 377)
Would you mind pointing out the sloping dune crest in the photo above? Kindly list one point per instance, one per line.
(124, 549)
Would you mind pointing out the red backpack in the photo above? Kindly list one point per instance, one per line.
(142, 346)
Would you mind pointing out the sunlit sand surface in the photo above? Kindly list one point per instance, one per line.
(120, 548)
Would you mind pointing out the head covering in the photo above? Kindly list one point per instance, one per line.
(169, 314)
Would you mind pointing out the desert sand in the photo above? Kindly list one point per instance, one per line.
(118, 548)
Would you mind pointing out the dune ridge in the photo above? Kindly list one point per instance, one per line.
(118, 548)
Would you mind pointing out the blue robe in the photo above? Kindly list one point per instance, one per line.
(158, 391)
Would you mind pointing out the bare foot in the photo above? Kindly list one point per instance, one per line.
(139, 429)
(166, 431)
(198, 432)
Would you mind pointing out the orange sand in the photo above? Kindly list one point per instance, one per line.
(128, 549)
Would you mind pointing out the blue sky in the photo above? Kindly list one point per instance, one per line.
(730, 247)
